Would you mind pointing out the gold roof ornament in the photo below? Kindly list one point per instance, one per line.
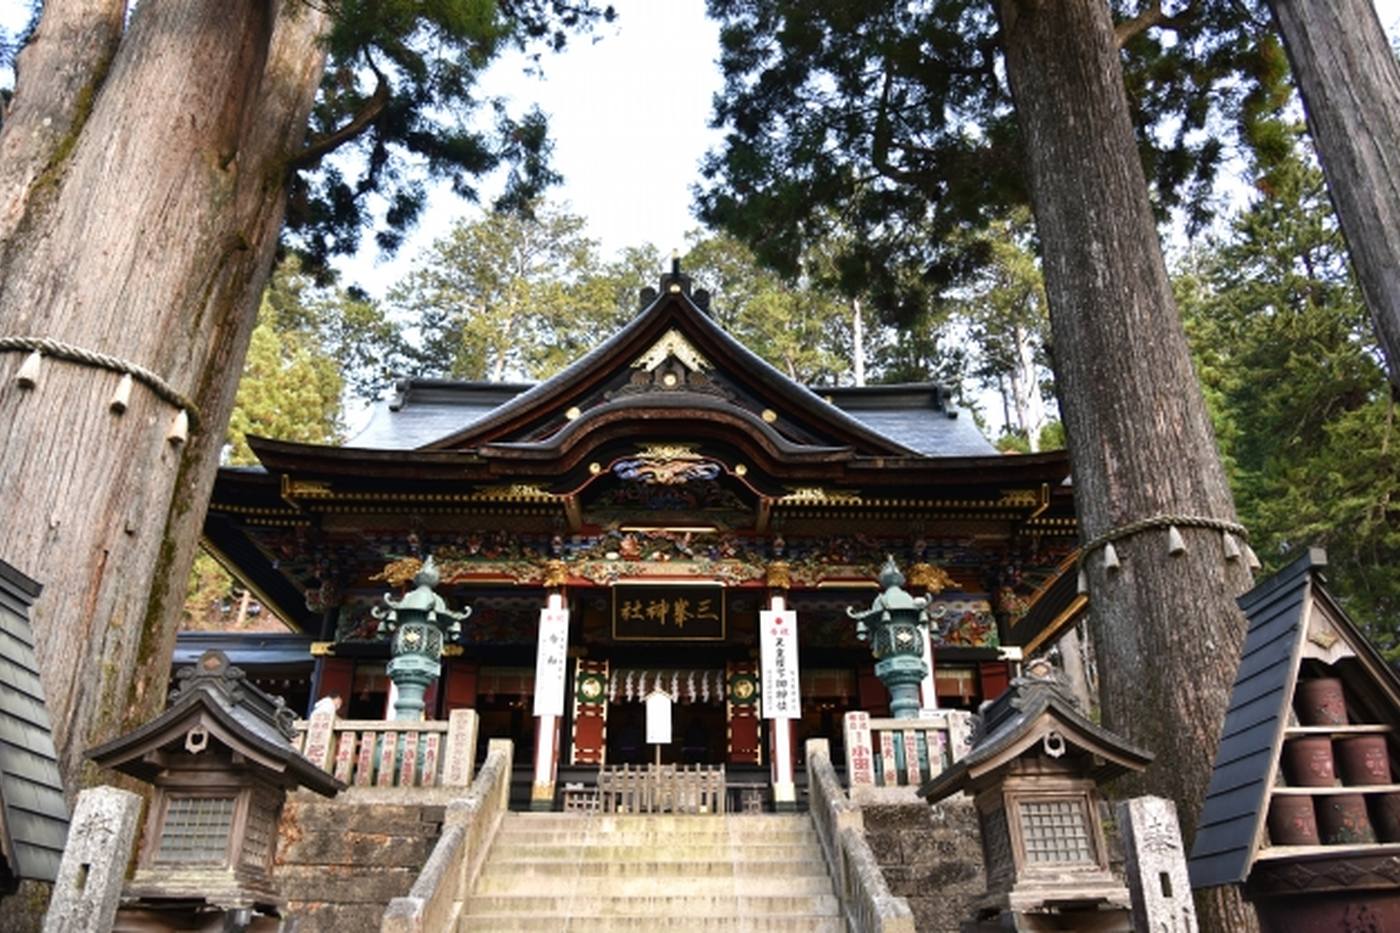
(672, 343)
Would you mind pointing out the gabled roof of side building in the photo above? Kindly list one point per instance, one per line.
(1291, 618)
(33, 814)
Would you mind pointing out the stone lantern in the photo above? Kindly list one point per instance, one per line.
(420, 624)
(1034, 774)
(222, 762)
(893, 625)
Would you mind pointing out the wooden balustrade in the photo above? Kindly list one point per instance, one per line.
(904, 752)
(392, 753)
(662, 789)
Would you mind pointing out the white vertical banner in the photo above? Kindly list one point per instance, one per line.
(550, 659)
(778, 654)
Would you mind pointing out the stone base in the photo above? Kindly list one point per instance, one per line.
(930, 856)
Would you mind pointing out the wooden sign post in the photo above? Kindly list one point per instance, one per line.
(658, 720)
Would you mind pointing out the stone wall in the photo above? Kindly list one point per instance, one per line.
(930, 856)
(339, 863)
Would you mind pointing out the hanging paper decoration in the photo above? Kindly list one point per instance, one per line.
(1083, 582)
(122, 397)
(179, 428)
(1232, 547)
(28, 375)
(1110, 557)
(1175, 545)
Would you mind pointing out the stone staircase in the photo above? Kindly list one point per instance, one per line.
(339, 862)
(566, 871)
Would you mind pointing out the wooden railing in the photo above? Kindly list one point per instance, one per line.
(662, 789)
(392, 753)
(866, 901)
(435, 901)
(904, 752)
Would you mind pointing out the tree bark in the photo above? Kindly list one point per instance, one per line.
(1166, 630)
(147, 235)
(68, 55)
(1350, 81)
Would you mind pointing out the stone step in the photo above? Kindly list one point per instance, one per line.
(656, 819)
(641, 886)
(509, 923)
(675, 839)
(589, 849)
(657, 905)
(744, 867)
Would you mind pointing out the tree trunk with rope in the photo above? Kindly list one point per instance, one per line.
(142, 185)
(1350, 81)
(1166, 630)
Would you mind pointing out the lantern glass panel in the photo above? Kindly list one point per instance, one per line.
(196, 830)
(1055, 831)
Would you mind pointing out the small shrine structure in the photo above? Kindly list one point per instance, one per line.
(1034, 774)
(1303, 808)
(222, 761)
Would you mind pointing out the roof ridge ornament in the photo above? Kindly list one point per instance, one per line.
(672, 343)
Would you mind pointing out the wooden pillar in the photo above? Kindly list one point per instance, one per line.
(779, 699)
(551, 656)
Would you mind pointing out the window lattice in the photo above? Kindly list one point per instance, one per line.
(1055, 831)
(257, 837)
(196, 830)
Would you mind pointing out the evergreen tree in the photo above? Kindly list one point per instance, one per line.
(1349, 78)
(1301, 404)
(148, 158)
(507, 296)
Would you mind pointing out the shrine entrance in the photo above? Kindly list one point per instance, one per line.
(697, 735)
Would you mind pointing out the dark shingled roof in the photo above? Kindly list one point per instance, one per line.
(239, 713)
(34, 817)
(1017, 714)
(1278, 613)
(917, 416)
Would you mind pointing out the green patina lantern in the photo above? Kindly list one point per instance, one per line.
(894, 626)
(420, 624)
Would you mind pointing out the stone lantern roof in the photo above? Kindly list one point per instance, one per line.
(1035, 710)
(215, 699)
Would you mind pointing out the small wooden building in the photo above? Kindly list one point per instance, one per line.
(1034, 775)
(1303, 808)
(222, 761)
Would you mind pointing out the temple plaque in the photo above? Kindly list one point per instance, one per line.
(658, 612)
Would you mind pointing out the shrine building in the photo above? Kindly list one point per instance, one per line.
(648, 503)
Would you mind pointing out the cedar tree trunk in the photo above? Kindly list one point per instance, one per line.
(1166, 630)
(1350, 81)
(142, 171)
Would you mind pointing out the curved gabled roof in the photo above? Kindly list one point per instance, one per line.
(673, 310)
